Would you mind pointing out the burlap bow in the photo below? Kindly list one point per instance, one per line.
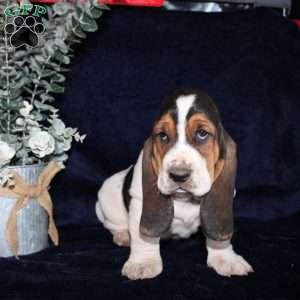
(22, 192)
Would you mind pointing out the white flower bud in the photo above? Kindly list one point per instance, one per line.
(25, 111)
(6, 153)
(41, 143)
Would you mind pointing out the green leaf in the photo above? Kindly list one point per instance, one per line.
(78, 32)
(42, 106)
(55, 88)
(58, 78)
(13, 106)
(62, 69)
(78, 11)
(35, 66)
(46, 97)
(61, 8)
(100, 5)
(15, 93)
(88, 24)
(45, 84)
(96, 12)
(61, 57)
(74, 40)
(40, 58)
(47, 73)
(61, 45)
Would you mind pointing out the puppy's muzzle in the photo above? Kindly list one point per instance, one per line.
(180, 173)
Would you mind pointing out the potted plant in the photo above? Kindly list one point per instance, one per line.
(33, 138)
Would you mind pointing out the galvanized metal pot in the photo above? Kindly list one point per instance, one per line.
(32, 220)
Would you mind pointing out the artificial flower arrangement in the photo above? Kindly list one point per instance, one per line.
(33, 138)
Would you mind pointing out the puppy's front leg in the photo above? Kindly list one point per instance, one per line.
(223, 259)
(144, 260)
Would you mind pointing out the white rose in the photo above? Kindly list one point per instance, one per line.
(6, 153)
(41, 143)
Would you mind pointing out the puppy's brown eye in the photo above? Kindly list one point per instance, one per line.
(163, 137)
(201, 135)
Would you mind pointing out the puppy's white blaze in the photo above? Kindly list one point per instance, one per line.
(184, 104)
(183, 152)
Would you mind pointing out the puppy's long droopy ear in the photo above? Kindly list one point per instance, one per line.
(216, 207)
(158, 211)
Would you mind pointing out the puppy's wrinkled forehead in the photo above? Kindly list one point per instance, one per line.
(186, 103)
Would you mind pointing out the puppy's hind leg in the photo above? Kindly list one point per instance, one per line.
(121, 238)
(111, 210)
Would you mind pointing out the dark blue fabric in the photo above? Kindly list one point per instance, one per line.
(249, 62)
(295, 12)
(87, 265)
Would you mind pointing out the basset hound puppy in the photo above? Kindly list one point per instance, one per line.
(184, 178)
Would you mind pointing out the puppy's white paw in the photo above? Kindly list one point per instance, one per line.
(226, 262)
(142, 270)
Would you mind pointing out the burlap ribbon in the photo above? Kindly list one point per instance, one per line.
(22, 192)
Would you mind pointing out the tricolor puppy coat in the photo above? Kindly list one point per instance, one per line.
(184, 178)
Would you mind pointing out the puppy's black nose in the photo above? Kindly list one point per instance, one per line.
(179, 174)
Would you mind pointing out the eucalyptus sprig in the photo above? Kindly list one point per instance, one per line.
(30, 127)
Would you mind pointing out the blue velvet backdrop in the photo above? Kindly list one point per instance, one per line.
(249, 62)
